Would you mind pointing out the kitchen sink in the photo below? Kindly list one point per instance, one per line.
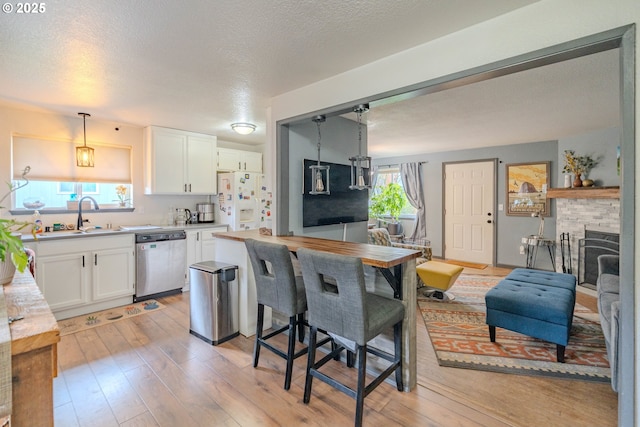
(73, 233)
(97, 230)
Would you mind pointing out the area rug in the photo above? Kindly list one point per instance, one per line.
(87, 321)
(460, 338)
(465, 264)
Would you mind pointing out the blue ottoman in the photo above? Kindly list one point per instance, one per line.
(534, 303)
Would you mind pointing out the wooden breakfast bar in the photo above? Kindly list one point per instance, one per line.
(34, 339)
(390, 272)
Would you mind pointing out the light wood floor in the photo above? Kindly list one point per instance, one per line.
(149, 371)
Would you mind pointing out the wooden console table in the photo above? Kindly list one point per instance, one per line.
(34, 361)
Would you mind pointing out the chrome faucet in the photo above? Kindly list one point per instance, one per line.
(80, 223)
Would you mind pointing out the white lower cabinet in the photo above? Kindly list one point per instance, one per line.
(235, 252)
(87, 274)
(201, 246)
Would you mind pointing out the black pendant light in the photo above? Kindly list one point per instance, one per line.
(319, 173)
(84, 154)
(360, 165)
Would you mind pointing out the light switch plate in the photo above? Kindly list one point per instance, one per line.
(500, 207)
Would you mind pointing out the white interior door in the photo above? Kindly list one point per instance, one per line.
(469, 217)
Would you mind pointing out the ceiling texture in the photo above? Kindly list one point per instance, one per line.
(202, 65)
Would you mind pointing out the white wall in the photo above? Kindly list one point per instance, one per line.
(148, 209)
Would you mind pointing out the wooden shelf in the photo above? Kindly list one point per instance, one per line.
(584, 193)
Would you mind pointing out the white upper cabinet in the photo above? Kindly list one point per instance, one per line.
(179, 162)
(238, 160)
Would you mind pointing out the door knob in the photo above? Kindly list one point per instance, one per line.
(488, 221)
(488, 213)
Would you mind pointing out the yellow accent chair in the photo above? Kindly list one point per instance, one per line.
(439, 277)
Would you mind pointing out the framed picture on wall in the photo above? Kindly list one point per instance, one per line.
(526, 187)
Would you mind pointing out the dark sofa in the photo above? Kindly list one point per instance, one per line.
(609, 310)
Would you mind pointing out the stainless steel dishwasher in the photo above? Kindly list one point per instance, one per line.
(161, 263)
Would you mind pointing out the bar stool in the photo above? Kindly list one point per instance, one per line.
(352, 316)
(277, 287)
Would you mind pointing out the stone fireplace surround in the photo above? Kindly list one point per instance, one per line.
(574, 215)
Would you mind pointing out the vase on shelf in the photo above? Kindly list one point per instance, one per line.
(122, 204)
(577, 182)
(567, 180)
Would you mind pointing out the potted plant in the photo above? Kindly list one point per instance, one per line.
(12, 254)
(578, 166)
(389, 202)
(121, 192)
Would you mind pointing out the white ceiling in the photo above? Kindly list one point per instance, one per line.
(546, 103)
(201, 65)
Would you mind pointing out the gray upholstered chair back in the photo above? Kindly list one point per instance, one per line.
(342, 312)
(275, 279)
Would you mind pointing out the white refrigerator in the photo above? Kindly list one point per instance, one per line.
(239, 200)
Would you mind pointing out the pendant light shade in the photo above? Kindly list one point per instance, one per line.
(319, 173)
(360, 165)
(84, 154)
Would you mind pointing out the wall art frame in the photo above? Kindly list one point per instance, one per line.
(526, 187)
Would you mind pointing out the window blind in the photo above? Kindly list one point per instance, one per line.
(55, 160)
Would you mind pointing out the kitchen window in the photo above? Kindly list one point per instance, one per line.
(51, 195)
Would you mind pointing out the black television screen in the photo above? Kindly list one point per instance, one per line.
(341, 206)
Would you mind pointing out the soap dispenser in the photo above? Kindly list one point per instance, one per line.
(37, 223)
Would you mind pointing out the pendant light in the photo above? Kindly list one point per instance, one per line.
(360, 165)
(84, 154)
(319, 173)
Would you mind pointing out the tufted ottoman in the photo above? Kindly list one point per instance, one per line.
(534, 303)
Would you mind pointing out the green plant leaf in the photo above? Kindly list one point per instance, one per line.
(389, 201)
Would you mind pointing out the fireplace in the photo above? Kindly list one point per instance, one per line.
(594, 244)
(574, 217)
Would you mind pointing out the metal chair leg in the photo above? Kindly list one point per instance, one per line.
(259, 323)
(361, 352)
(397, 340)
(301, 327)
(290, 352)
(310, 362)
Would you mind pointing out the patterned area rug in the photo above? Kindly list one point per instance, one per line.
(87, 321)
(460, 338)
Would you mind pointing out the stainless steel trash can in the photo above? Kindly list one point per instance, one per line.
(213, 301)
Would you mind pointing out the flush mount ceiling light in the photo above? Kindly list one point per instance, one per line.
(84, 154)
(243, 128)
(319, 173)
(360, 165)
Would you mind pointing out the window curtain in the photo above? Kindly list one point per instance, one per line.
(374, 178)
(411, 175)
(55, 160)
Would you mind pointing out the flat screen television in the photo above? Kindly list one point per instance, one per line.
(341, 206)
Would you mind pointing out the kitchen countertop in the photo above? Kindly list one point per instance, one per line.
(97, 232)
(34, 340)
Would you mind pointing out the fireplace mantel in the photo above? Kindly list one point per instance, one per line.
(584, 193)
